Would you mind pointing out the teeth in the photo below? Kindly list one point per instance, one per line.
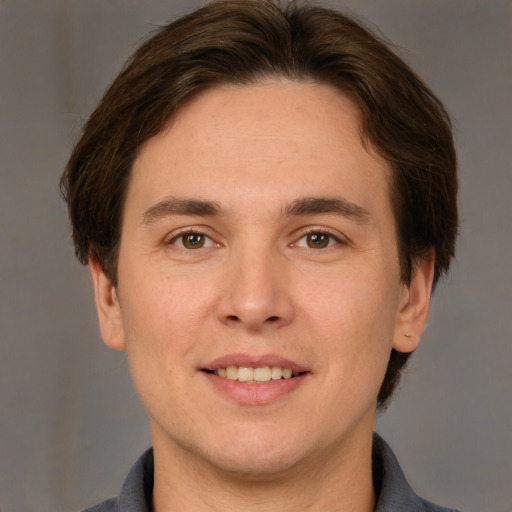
(287, 373)
(245, 374)
(277, 372)
(254, 375)
(262, 374)
(232, 372)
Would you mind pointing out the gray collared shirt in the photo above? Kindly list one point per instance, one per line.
(394, 493)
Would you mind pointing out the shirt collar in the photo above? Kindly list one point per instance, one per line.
(393, 491)
(138, 487)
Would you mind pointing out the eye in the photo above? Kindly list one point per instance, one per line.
(317, 240)
(192, 240)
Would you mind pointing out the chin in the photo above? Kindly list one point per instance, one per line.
(258, 454)
(257, 465)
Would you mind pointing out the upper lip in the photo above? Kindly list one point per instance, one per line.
(254, 361)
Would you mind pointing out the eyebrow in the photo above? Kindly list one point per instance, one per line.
(329, 205)
(299, 207)
(176, 206)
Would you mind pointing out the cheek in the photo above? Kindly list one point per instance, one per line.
(160, 336)
(358, 300)
(353, 318)
(162, 319)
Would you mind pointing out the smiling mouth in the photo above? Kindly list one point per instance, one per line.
(260, 375)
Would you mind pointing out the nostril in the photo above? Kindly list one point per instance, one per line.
(272, 319)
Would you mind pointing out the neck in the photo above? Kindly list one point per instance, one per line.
(338, 480)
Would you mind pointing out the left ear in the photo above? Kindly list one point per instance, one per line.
(414, 305)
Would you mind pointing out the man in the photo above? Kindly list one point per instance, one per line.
(265, 196)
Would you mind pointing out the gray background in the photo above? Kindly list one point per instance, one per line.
(71, 425)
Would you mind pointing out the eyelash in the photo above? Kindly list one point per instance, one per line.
(190, 232)
(322, 232)
(207, 239)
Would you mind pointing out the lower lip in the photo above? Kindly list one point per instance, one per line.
(255, 394)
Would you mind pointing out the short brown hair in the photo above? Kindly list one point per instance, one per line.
(247, 41)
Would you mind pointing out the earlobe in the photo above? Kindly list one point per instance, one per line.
(414, 306)
(107, 306)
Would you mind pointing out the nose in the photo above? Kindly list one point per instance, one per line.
(256, 291)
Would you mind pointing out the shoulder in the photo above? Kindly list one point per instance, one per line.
(432, 507)
(395, 494)
(135, 495)
(110, 505)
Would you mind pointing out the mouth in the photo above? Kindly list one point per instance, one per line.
(257, 375)
(255, 379)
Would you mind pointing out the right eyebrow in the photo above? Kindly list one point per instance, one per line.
(175, 206)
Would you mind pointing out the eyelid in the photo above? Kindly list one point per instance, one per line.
(191, 230)
(311, 230)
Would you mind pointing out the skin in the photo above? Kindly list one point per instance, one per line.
(258, 286)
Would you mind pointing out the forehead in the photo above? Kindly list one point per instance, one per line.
(277, 139)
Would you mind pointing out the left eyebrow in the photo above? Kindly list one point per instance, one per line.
(176, 206)
(329, 205)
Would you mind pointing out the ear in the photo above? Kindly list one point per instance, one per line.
(414, 305)
(107, 305)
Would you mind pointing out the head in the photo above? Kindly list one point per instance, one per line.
(240, 43)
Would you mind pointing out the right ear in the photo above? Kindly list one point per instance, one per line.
(107, 305)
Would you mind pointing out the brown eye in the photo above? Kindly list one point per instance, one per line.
(192, 240)
(318, 240)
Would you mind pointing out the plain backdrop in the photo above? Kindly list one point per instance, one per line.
(71, 425)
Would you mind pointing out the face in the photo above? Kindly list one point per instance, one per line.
(259, 293)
